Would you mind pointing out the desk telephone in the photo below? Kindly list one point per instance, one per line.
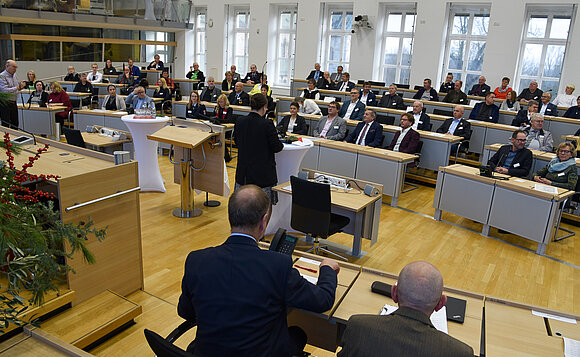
(283, 243)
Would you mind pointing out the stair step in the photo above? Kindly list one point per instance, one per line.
(92, 319)
(33, 342)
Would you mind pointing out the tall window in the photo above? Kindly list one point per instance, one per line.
(397, 45)
(286, 45)
(200, 46)
(338, 26)
(543, 48)
(239, 37)
(465, 47)
(163, 51)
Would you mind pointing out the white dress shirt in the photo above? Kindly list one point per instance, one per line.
(400, 139)
(349, 110)
(95, 77)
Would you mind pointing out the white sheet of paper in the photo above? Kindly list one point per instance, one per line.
(554, 317)
(519, 180)
(309, 261)
(545, 188)
(438, 318)
(289, 188)
(571, 347)
(437, 134)
(119, 113)
(311, 279)
(410, 109)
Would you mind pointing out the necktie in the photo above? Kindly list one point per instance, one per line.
(362, 135)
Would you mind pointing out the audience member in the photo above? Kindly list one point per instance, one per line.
(163, 92)
(134, 70)
(523, 116)
(169, 81)
(211, 92)
(352, 109)
(195, 74)
(112, 100)
(95, 76)
(406, 140)
(501, 91)
(83, 86)
(316, 73)
(457, 125)
(57, 97)
(422, 121)
(194, 108)
(531, 93)
(307, 106)
(271, 112)
(137, 99)
(566, 99)
(448, 84)
(408, 331)
(337, 76)
(324, 82)
(311, 92)
(480, 89)
(331, 126)
(392, 100)
(345, 85)
(456, 95)
(293, 123)
(511, 102)
(236, 76)
(156, 64)
(238, 96)
(547, 108)
(109, 69)
(536, 137)
(223, 112)
(486, 110)
(426, 93)
(253, 76)
(366, 95)
(71, 75)
(515, 159)
(561, 171)
(229, 82)
(39, 96)
(368, 132)
(258, 86)
(573, 112)
(30, 80)
(126, 78)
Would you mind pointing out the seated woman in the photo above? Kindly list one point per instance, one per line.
(71, 76)
(223, 112)
(194, 109)
(511, 102)
(293, 123)
(39, 96)
(561, 170)
(169, 81)
(29, 84)
(573, 112)
(156, 63)
(109, 69)
(57, 97)
(112, 100)
(311, 92)
(163, 92)
(229, 82)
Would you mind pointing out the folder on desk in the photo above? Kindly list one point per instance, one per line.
(455, 309)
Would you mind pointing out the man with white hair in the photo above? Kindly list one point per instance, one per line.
(480, 89)
(422, 120)
(536, 137)
(9, 87)
(211, 92)
(547, 108)
(407, 331)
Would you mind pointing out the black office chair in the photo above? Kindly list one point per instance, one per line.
(447, 113)
(164, 347)
(377, 84)
(416, 163)
(324, 111)
(311, 212)
(406, 86)
(385, 119)
(417, 87)
(463, 146)
(74, 137)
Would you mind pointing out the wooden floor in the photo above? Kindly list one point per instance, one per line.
(466, 259)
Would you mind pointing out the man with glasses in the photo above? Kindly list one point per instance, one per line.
(138, 99)
(352, 109)
(547, 108)
(407, 139)
(538, 138)
(368, 132)
(515, 159)
(332, 126)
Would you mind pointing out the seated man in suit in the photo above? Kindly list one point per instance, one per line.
(536, 137)
(235, 75)
(523, 117)
(325, 82)
(211, 92)
(367, 97)
(515, 159)
(316, 73)
(422, 120)
(456, 96)
(480, 89)
(486, 111)
(427, 92)
(457, 125)
(346, 85)
(352, 109)
(331, 127)
(238, 294)
(408, 331)
(530, 93)
(138, 99)
(238, 96)
(368, 132)
(448, 84)
(392, 100)
(547, 108)
(337, 76)
(407, 139)
(253, 76)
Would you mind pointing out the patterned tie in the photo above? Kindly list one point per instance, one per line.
(362, 135)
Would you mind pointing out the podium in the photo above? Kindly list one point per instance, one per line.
(199, 161)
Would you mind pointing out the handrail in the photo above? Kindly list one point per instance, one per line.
(120, 193)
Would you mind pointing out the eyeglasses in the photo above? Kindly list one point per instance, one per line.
(564, 151)
(521, 140)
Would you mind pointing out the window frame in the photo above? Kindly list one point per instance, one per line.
(232, 44)
(200, 56)
(293, 9)
(344, 32)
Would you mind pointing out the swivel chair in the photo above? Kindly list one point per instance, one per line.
(164, 347)
(311, 213)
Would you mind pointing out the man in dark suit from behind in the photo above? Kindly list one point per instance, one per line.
(407, 139)
(238, 294)
(368, 132)
(407, 331)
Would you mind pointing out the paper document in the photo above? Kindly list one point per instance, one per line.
(438, 318)
(519, 180)
(554, 317)
(571, 347)
(311, 279)
(437, 134)
(328, 99)
(309, 261)
(545, 188)
(119, 113)
(288, 188)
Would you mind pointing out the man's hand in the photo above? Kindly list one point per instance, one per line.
(501, 170)
(331, 263)
(250, 82)
(135, 91)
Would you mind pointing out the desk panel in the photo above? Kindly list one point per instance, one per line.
(336, 161)
(391, 174)
(465, 197)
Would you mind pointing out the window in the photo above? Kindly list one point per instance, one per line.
(200, 43)
(285, 46)
(465, 47)
(543, 47)
(164, 52)
(397, 45)
(338, 25)
(238, 38)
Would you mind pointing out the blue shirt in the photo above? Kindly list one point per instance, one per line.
(453, 125)
(139, 103)
(510, 157)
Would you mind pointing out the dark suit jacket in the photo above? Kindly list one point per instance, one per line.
(374, 136)
(432, 93)
(324, 84)
(357, 112)
(226, 116)
(494, 112)
(299, 128)
(257, 142)
(521, 164)
(213, 96)
(393, 102)
(456, 97)
(405, 332)
(225, 85)
(446, 87)
(255, 77)
(479, 91)
(195, 112)
(424, 122)
(409, 142)
(552, 109)
(527, 95)
(350, 85)
(371, 98)
(313, 73)
(239, 295)
(244, 99)
(521, 118)
(462, 129)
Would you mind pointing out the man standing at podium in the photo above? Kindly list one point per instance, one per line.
(257, 142)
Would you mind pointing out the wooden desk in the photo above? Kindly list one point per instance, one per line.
(186, 85)
(106, 118)
(180, 107)
(40, 120)
(565, 329)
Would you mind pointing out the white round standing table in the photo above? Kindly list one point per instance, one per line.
(146, 151)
